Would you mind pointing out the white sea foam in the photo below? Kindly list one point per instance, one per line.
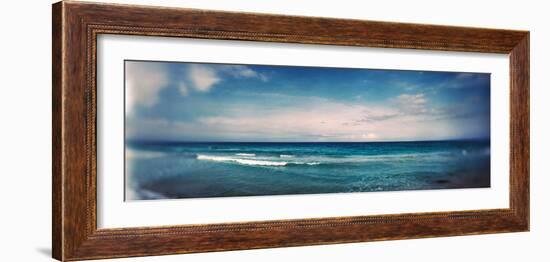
(260, 162)
(245, 154)
(307, 163)
(254, 162)
(251, 162)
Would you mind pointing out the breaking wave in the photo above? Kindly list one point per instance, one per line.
(254, 162)
(250, 162)
(251, 159)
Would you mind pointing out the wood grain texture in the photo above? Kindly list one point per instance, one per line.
(57, 195)
(519, 129)
(76, 27)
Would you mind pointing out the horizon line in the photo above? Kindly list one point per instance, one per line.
(379, 141)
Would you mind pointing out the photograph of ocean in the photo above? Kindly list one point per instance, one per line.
(202, 130)
(193, 170)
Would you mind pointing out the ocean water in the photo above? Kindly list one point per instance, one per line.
(168, 170)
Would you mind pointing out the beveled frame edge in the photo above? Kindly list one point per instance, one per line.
(75, 27)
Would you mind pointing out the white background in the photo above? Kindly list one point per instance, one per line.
(25, 191)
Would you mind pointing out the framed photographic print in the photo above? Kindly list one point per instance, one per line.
(181, 130)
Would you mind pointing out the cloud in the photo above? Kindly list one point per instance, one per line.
(271, 116)
(311, 119)
(465, 75)
(303, 119)
(369, 136)
(241, 71)
(416, 99)
(416, 107)
(143, 84)
(406, 85)
(184, 90)
(404, 107)
(467, 80)
(370, 116)
(144, 80)
(202, 77)
(412, 103)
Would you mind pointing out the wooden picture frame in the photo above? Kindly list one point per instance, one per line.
(76, 26)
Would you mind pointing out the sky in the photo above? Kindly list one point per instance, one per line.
(172, 101)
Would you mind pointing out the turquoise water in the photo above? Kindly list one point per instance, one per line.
(167, 170)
